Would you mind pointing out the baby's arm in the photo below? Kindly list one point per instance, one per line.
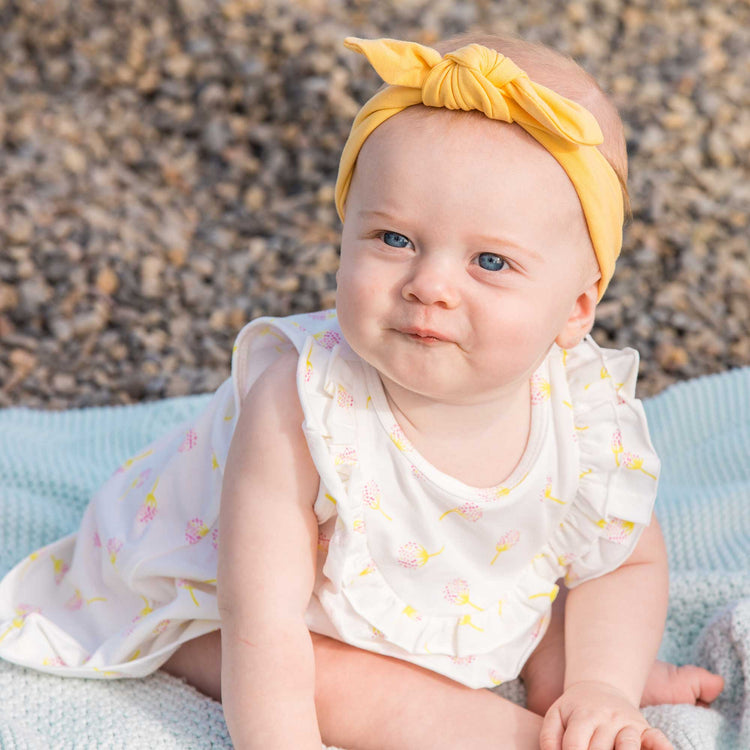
(266, 570)
(613, 627)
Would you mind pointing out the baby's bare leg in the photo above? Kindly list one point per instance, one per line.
(544, 673)
(365, 701)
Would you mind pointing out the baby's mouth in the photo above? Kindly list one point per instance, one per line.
(424, 335)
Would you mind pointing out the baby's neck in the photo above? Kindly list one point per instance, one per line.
(479, 443)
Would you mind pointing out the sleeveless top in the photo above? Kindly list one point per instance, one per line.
(412, 563)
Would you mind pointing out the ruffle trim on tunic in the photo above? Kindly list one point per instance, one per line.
(619, 467)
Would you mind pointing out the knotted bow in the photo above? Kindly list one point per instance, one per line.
(477, 78)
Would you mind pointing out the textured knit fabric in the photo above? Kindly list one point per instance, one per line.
(412, 563)
(51, 463)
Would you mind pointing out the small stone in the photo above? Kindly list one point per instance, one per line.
(152, 268)
(22, 361)
(74, 160)
(64, 382)
(179, 66)
(107, 281)
(8, 297)
(254, 198)
(20, 228)
(672, 358)
(177, 256)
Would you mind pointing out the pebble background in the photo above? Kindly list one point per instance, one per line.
(167, 171)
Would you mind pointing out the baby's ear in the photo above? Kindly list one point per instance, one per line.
(581, 318)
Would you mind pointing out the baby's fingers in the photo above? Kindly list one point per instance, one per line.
(653, 739)
(551, 734)
(628, 738)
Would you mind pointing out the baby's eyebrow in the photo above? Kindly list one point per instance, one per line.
(375, 214)
(492, 242)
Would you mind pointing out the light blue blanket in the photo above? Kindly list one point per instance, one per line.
(51, 462)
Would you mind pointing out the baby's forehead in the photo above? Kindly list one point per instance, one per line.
(456, 128)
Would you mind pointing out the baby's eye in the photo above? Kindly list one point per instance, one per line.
(491, 262)
(394, 239)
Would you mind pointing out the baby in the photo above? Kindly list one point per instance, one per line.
(378, 507)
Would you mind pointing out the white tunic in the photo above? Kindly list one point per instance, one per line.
(412, 562)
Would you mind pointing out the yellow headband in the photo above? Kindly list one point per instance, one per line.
(475, 77)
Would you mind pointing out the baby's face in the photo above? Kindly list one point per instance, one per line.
(464, 254)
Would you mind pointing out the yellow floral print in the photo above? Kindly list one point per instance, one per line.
(547, 493)
(505, 542)
(470, 511)
(457, 592)
(371, 498)
(413, 555)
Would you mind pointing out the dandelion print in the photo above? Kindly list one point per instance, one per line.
(541, 390)
(190, 441)
(323, 315)
(131, 461)
(566, 559)
(462, 661)
(506, 541)
(358, 526)
(147, 511)
(495, 677)
(399, 439)
(457, 592)
(308, 365)
(22, 612)
(75, 602)
(377, 635)
(470, 511)
(411, 613)
(603, 375)
(344, 399)
(371, 497)
(160, 627)
(551, 594)
(30, 560)
(616, 530)
(635, 463)
(114, 546)
(369, 568)
(547, 493)
(413, 555)
(616, 445)
(498, 492)
(195, 531)
(137, 482)
(215, 538)
(346, 457)
(187, 585)
(328, 339)
(60, 568)
(53, 661)
(466, 620)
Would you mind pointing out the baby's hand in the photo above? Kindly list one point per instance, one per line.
(596, 716)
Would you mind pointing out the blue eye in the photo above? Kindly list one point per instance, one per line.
(491, 262)
(394, 239)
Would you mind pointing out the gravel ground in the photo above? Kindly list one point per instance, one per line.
(167, 171)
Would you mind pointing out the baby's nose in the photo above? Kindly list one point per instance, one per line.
(432, 282)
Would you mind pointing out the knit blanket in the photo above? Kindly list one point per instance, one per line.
(50, 462)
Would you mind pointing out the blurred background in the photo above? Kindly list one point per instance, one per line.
(167, 172)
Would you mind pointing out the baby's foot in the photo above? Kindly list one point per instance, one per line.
(668, 683)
